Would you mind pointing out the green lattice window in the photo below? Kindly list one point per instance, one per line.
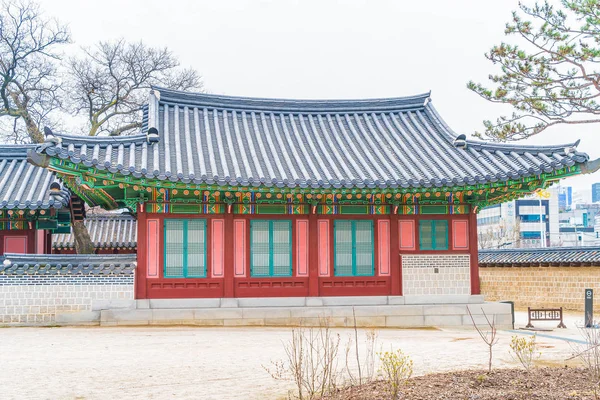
(270, 248)
(185, 248)
(433, 234)
(353, 248)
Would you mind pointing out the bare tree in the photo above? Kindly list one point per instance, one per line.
(109, 84)
(29, 91)
(488, 336)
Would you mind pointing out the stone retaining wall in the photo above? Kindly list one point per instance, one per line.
(540, 286)
(36, 300)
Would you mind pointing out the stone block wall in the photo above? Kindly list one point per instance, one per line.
(435, 274)
(541, 286)
(36, 300)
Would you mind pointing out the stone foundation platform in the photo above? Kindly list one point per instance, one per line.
(372, 311)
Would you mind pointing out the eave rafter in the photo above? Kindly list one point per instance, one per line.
(113, 190)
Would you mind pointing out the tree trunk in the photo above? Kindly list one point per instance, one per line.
(32, 128)
(83, 242)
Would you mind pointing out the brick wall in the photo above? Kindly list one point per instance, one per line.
(540, 286)
(35, 299)
(436, 274)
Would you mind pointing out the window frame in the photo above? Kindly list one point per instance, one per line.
(434, 223)
(353, 234)
(185, 255)
(271, 273)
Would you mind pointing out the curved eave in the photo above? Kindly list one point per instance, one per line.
(33, 207)
(334, 184)
(506, 147)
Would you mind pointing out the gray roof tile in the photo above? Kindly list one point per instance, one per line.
(375, 143)
(25, 186)
(106, 231)
(67, 264)
(537, 256)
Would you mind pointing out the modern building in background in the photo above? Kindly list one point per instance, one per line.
(565, 198)
(516, 223)
(580, 226)
(595, 192)
(568, 220)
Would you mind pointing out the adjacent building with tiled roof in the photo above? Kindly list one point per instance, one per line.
(33, 202)
(24, 186)
(110, 233)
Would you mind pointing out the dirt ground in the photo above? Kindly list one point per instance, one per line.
(210, 363)
(509, 384)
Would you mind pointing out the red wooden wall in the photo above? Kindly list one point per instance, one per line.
(25, 241)
(228, 257)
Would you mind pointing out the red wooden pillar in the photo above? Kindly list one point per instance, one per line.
(313, 255)
(31, 241)
(142, 253)
(228, 258)
(474, 253)
(395, 268)
(48, 242)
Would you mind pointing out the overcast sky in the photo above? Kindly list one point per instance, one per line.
(325, 49)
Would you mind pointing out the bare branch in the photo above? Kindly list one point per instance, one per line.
(110, 83)
(28, 56)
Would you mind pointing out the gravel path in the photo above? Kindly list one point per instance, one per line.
(204, 363)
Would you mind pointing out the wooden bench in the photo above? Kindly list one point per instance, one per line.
(545, 314)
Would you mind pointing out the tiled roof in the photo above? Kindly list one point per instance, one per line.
(67, 264)
(106, 231)
(376, 143)
(536, 256)
(25, 186)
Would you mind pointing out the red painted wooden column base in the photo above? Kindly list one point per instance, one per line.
(474, 253)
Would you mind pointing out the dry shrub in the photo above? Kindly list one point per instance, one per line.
(589, 354)
(365, 365)
(311, 361)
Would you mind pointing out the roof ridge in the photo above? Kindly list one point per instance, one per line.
(15, 150)
(290, 105)
(545, 250)
(108, 216)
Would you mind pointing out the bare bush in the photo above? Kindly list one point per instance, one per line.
(588, 352)
(311, 361)
(366, 364)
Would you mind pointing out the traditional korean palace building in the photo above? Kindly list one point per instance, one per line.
(246, 197)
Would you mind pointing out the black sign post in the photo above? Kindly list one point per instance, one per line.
(589, 308)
